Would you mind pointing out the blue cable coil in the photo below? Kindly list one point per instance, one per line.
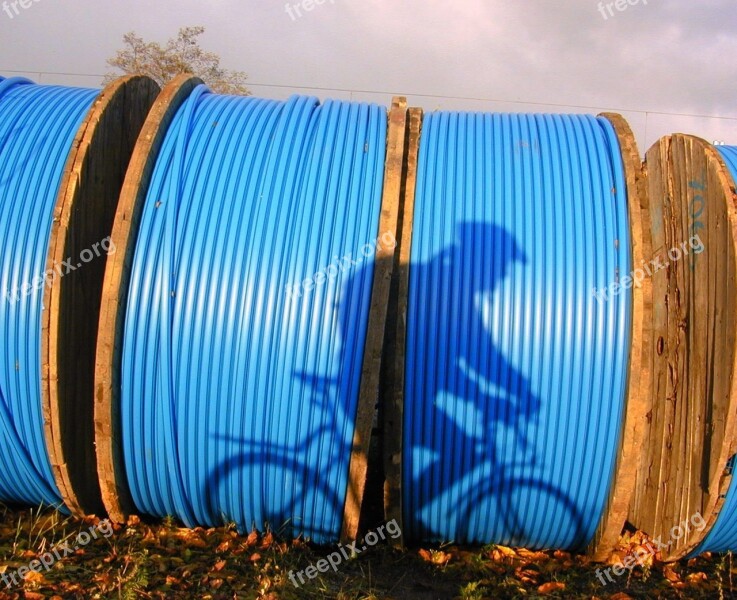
(239, 385)
(517, 343)
(723, 536)
(38, 125)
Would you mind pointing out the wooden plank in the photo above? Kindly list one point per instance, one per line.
(693, 421)
(395, 347)
(655, 469)
(83, 218)
(714, 298)
(383, 270)
(113, 483)
(638, 400)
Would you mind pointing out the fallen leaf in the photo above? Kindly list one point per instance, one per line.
(216, 584)
(267, 541)
(553, 586)
(219, 566)
(436, 557)
(197, 543)
(149, 538)
(34, 577)
(697, 578)
(133, 521)
(507, 551)
(526, 575)
(671, 575)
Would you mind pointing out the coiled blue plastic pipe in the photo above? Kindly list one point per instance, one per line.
(723, 536)
(239, 389)
(515, 372)
(37, 127)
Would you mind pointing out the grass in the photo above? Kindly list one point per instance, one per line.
(162, 560)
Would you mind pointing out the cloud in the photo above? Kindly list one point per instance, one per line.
(664, 56)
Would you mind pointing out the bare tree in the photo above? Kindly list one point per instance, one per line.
(180, 55)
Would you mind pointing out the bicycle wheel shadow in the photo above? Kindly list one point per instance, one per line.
(468, 409)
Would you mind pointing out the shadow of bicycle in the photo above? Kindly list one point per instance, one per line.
(475, 469)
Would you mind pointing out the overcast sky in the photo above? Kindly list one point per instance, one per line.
(663, 56)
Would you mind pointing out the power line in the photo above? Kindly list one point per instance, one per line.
(52, 73)
(496, 100)
(431, 96)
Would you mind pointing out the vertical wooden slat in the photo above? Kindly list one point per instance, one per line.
(393, 397)
(113, 482)
(638, 400)
(383, 270)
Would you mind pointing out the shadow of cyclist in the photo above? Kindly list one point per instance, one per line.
(472, 469)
